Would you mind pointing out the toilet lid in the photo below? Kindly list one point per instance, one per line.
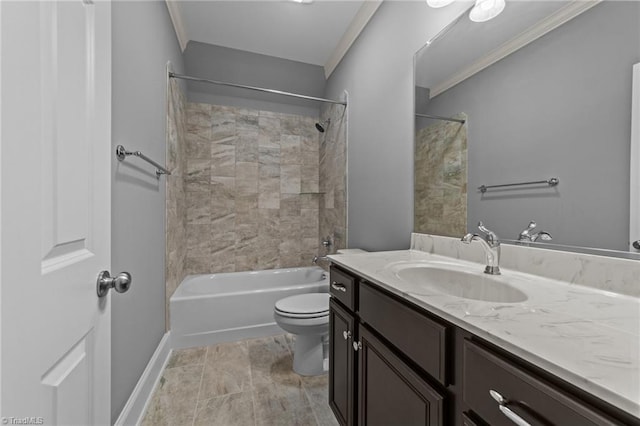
(305, 304)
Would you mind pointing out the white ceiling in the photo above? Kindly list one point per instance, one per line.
(301, 32)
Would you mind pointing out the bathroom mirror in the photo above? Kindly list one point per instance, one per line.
(545, 91)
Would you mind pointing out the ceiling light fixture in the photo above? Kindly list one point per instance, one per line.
(486, 9)
(302, 1)
(439, 3)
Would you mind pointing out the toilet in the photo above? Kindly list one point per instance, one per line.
(307, 316)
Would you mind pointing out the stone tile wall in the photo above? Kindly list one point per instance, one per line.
(176, 206)
(440, 170)
(251, 189)
(333, 176)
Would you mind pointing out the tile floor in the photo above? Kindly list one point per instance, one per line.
(241, 383)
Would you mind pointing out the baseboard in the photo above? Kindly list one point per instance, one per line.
(140, 397)
(220, 336)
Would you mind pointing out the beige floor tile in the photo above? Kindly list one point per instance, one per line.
(270, 360)
(241, 383)
(190, 356)
(175, 399)
(317, 389)
(277, 404)
(234, 409)
(226, 370)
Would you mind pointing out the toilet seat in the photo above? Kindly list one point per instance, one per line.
(311, 305)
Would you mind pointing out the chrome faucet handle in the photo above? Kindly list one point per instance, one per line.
(491, 237)
(526, 233)
(542, 235)
(470, 237)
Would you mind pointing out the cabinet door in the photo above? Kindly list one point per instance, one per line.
(341, 363)
(390, 392)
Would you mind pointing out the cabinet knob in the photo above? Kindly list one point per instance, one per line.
(502, 405)
(357, 346)
(346, 335)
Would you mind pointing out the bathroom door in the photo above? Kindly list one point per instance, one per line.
(55, 161)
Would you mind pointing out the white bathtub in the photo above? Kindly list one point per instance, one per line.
(212, 308)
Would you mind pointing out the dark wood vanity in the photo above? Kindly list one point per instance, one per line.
(395, 363)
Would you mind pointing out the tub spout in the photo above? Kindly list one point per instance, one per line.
(316, 259)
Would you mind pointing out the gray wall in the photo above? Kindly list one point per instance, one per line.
(252, 69)
(377, 72)
(559, 107)
(143, 41)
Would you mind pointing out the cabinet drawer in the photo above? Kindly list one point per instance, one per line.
(527, 396)
(343, 287)
(420, 338)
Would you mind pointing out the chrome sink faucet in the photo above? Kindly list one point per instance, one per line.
(528, 235)
(491, 245)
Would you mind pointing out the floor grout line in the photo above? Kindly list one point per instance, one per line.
(204, 364)
(253, 394)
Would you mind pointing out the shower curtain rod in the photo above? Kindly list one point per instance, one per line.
(259, 89)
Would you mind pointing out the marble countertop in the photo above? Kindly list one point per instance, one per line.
(586, 336)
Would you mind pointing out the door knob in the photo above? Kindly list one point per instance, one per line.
(636, 244)
(120, 283)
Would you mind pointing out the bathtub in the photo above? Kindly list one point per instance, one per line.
(212, 308)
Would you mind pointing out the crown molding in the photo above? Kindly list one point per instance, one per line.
(533, 33)
(178, 25)
(360, 20)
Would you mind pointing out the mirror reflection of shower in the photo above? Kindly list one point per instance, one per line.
(322, 126)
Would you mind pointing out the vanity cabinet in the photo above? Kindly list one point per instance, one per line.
(395, 363)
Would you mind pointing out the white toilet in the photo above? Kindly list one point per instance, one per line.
(306, 316)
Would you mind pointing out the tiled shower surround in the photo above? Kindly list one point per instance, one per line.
(176, 206)
(252, 190)
(440, 188)
(333, 173)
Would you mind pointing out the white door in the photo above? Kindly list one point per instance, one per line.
(55, 156)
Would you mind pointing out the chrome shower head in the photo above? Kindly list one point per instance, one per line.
(323, 125)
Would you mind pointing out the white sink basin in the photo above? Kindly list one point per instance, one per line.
(455, 281)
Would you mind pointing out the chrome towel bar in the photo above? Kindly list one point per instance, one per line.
(551, 182)
(122, 153)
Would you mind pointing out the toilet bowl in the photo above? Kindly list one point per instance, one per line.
(306, 316)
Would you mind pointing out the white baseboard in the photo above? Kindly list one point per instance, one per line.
(140, 397)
